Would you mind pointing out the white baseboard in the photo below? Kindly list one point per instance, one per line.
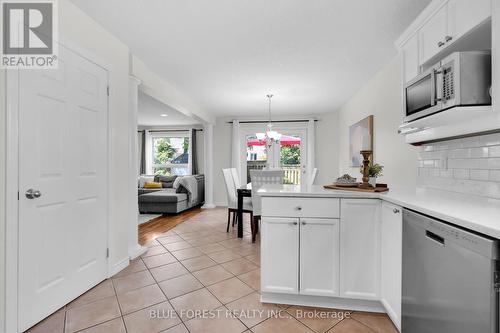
(121, 264)
(323, 302)
(136, 251)
(208, 206)
(392, 314)
(221, 204)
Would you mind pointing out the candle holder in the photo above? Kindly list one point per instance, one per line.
(366, 166)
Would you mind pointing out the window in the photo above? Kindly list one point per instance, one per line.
(170, 153)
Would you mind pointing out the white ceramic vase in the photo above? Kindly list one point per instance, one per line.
(373, 181)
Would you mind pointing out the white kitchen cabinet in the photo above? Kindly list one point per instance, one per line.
(409, 54)
(319, 257)
(432, 35)
(450, 22)
(280, 264)
(463, 15)
(360, 248)
(391, 257)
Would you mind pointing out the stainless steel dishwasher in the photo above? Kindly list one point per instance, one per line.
(449, 278)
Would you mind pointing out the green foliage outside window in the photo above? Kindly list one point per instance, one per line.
(290, 154)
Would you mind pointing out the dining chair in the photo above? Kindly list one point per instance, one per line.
(232, 199)
(259, 178)
(311, 179)
(236, 178)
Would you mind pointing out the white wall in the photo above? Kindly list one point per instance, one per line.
(82, 30)
(327, 148)
(380, 97)
(222, 158)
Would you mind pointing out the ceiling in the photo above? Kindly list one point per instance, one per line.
(226, 55)
(150, 113)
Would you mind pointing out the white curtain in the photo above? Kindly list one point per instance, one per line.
(190, 151)
(236, 148)
(149, 155)
(311, 135)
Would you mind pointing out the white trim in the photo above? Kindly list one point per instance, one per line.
(134, 249)
(208, 206)
(138, 250)
(391, 313)
(323, 302)
(12, 181)
(11, 206)
(118, 266)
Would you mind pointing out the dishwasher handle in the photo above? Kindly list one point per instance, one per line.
(435, 237)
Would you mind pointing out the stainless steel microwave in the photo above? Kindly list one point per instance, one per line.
(461, 79)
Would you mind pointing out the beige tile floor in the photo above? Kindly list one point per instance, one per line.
(197, 266)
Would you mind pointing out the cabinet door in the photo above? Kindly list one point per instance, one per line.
(391, 249)
(360, 248)
(319, 256)
(409, 54)
(280, 255)
(432, 34)
(463, 15)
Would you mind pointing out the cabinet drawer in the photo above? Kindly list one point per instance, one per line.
(300, 207)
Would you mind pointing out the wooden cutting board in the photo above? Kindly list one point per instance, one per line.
(379, 188)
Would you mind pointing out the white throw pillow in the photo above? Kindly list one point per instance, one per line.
(176, 182)
(145, 178)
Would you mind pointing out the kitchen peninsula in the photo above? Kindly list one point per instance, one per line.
(342, 249)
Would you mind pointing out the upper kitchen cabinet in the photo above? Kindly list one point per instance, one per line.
(463, 15)
(451, 21)
(409, 53)
(432, 35)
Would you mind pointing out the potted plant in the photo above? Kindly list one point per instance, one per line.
(374, 171)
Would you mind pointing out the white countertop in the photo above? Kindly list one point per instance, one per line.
(472, 212)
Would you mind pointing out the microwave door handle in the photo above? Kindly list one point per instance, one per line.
(436, 84)
(433, 87)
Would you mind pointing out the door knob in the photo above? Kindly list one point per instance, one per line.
(294, 223)
(304, 223)
(395, 210)
(33, 194)
(448, 38)
(440, 44)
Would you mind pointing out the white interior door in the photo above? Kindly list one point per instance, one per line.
(62, 154)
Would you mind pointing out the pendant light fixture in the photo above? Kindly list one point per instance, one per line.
(271, 135)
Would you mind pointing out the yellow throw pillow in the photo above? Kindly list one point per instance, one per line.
(152, 185)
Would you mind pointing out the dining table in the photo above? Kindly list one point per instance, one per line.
(244, 191)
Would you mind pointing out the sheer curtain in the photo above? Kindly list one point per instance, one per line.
(236, 148)
(193, 153)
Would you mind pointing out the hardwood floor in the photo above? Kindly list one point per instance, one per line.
(149, 230)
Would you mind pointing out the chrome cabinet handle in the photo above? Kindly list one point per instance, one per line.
(294, 223)
(298, 208)
(395, 211)
(304, 223)
(33, 194)
(448, 38)
(440, 43)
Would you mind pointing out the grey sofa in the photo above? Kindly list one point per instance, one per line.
(168, 200)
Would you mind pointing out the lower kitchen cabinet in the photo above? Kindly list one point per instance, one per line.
(302, 256)
(392, 230)
(280, 264)
(360, 248)
(319, 257)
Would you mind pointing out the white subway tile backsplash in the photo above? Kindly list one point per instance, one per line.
(494, 175)
(468, 165)
(494, 151)
(479, 174)
(461, 173)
